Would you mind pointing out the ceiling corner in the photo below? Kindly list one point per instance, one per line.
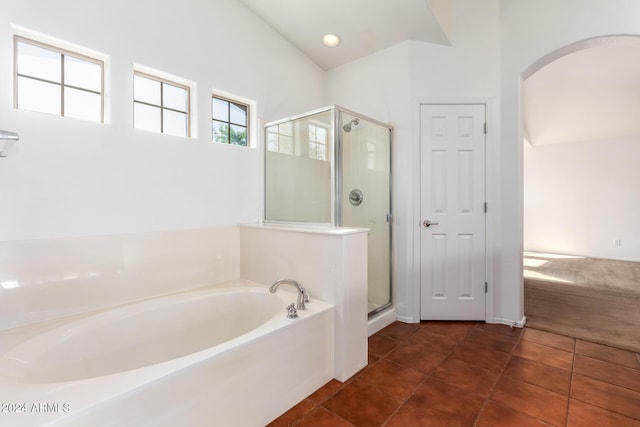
(442, 10)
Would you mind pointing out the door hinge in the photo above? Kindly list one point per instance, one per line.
(485, 128)
(486, 287)
(485, 207)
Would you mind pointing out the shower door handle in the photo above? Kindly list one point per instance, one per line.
(428, 223)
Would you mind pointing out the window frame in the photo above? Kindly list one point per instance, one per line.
(317, 143)
(247, 126)
(63, 52)
(280, 136)
(162, 82)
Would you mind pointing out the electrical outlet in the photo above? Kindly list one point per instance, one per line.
(617, 242)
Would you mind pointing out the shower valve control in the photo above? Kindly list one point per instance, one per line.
(356, 197)
(428, 223)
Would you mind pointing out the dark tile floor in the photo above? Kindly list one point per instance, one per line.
(475, 374)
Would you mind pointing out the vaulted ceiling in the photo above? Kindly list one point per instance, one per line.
(365, 26)
(587, 95)
(592, 94)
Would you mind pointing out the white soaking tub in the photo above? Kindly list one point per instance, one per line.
(225, 355)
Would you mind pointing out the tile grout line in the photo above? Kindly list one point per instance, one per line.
(573, 352)
(573, 370)
(430, 375)
(412, 393)
(299, 420)
(320, 405)
(600, 406)
(317, 405)
(453, 349)
(384, 357)
(593, 377)
(498, 377)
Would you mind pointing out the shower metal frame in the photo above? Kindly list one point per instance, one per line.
(336, 136)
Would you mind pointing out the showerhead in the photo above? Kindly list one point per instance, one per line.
(347, 127)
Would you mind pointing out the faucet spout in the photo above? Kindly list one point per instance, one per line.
(302, 293)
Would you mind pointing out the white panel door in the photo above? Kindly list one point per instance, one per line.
(452, 202)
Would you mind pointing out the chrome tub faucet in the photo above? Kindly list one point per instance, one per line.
(302, 293)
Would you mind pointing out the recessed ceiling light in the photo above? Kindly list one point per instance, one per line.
(331, 40)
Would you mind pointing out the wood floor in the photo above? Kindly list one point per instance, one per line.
(592, 299)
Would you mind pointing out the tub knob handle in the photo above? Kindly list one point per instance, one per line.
(292, 313)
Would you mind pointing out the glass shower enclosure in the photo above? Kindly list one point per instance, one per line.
(332, 167)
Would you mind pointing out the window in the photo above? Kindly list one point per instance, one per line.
(280, 138)
(229, 124)
(57, 81)
(317, 142)
(160, 105)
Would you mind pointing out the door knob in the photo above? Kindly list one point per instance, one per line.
(428, 223)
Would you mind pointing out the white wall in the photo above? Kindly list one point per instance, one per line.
(493, 43)
(45, 279)
(580, 197)
(588, 94)
(72, 178)
(390, 85)
(466, 72)
(531, 30)
(378, 86)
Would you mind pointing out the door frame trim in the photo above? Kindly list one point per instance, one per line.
(492, 215)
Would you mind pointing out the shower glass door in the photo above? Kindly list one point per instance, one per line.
(299, 169)
(366, 197)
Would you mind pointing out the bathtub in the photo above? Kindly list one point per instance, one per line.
(225, 355)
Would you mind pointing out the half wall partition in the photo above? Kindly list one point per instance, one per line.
(332, 167)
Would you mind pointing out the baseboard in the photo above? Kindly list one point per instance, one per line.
(381, 320)
(406, 319)
(509, 322)
(389, 316)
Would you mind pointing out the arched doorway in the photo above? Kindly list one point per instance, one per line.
(582, 139)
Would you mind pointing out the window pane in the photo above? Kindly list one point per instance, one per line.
(238, 114)
(83, 74)
(220, 132)
(273, 129)
(220, 109)
(286, 128)
(38, 62)
(321, 134)
(82, 105)
(286, 145)
(174, 97)
(35, 95)
(238, 135)
(175, 123)
(312, 133)
(321, 152)
(272, 141)
(146, 117)
(146, 90)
